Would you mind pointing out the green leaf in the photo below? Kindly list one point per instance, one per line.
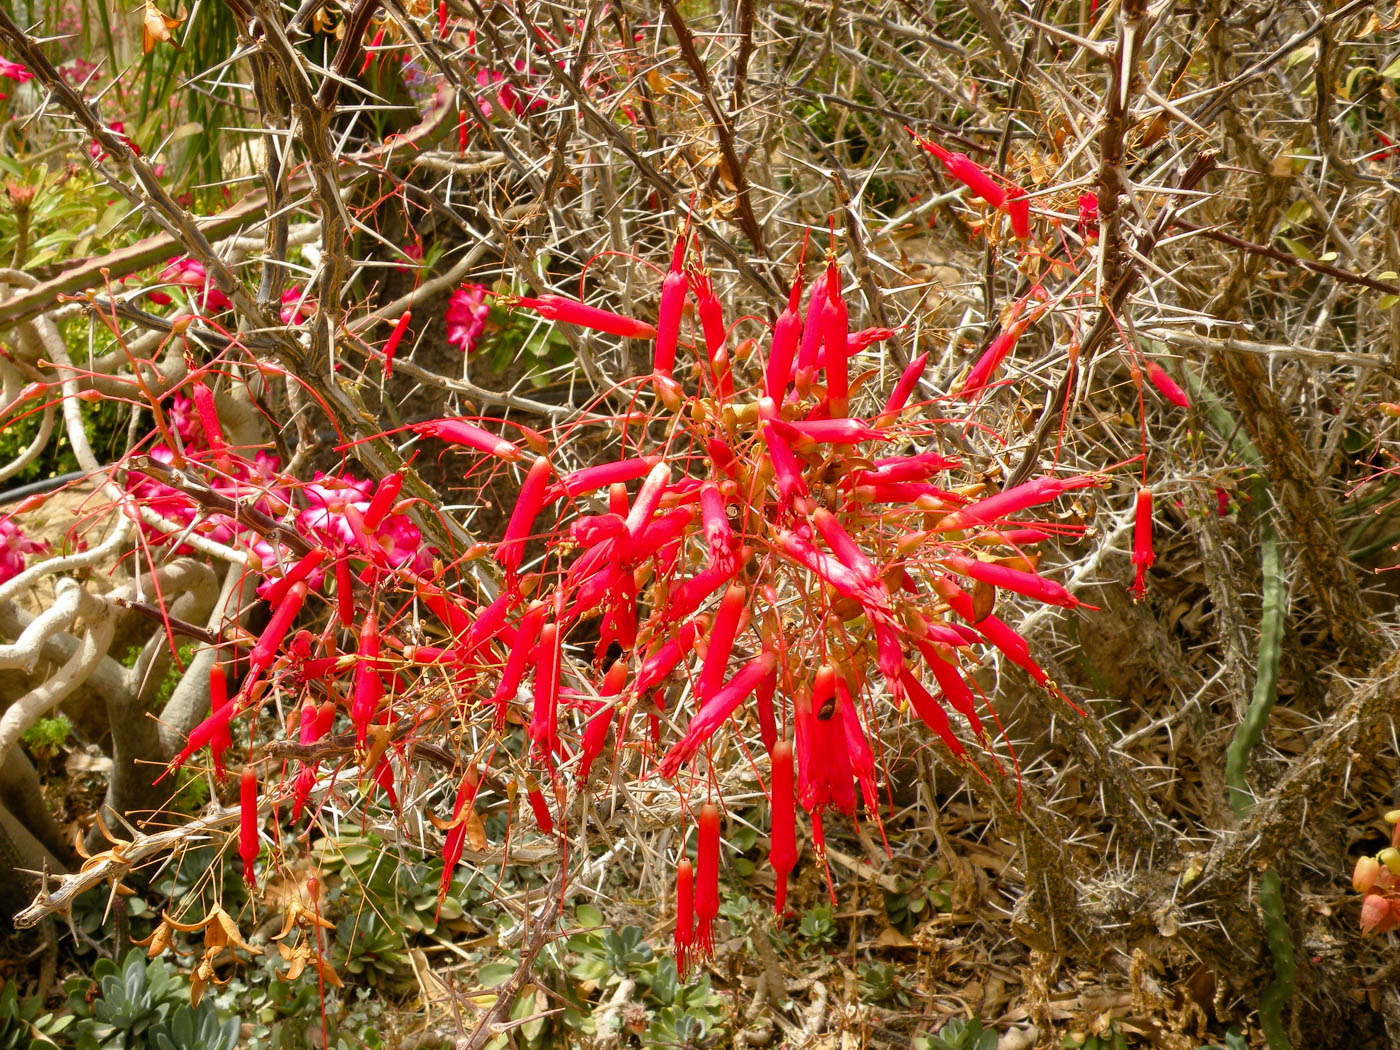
(495, 974)
(1298, 248)
(588, 915)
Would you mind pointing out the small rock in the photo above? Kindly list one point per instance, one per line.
(1019, 1038)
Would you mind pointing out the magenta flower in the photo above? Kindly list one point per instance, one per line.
(189, 273)
(14, 545)
(118, 129)
(466, 315)
(14, 71)
(296, 308)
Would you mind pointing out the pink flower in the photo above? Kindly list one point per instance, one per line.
(189, 273)
(14, 545)
(466, 315)
(296, 308)
(415, 252)
(118, 129)
(14, 71)
(1088, 215)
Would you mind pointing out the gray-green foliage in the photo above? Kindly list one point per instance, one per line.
(24, 1025)
(959, 1034)
(144, 1005)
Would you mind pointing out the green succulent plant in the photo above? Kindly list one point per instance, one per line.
(23, 1023)
(144, 1005)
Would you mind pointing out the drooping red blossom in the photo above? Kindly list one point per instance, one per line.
(707, 880)
(782, 851)
(1142, 542)
(1167, 386)
(684, 937)
(248, 844)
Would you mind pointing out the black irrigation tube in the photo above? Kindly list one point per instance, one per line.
(34, 488)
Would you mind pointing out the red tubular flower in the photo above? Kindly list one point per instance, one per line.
(212, 730)
(668, 318)
(595, 732)
(691, 594)
(714, 711)
(369, 51)
(590, 479)
(809, 348)
(522, 519)
(248, 845)
(782, 850)
(1019, 208)
(221, 740)
(457, 831)
(1028, 583)
(1142, 542)
(1166, 386)
(265, 651)
(369, 687)
(967, 171)
(786, 471)
(664, 660)
(845, 548)
(544, 721)
(823, 763)
(720, 642)
(927, 708)
(1015, 499)
(951, 682)
(203, 399)
(384, 780)
(899, 396)
(392, 344)
(313, 728)
(711, 312)
(707, 880)
(463, 132)
(786, 331)
(835, 323)
(991, 359)
(344, 590)
(858, 753)
(685, 915)
(841, 431)
(571, 311)
(385, 493)
(648, 499)
(538, 806)
(719, 537)
(526, 638)
(843, 579)
(300, 570)
(460, 432)
(1011, 644)
(857, 342)
(442, 19)
(763, 702)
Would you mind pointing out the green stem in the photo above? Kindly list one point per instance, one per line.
(1271, 621)
(1266, 677)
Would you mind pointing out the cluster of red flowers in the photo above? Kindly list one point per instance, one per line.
(752, 548)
